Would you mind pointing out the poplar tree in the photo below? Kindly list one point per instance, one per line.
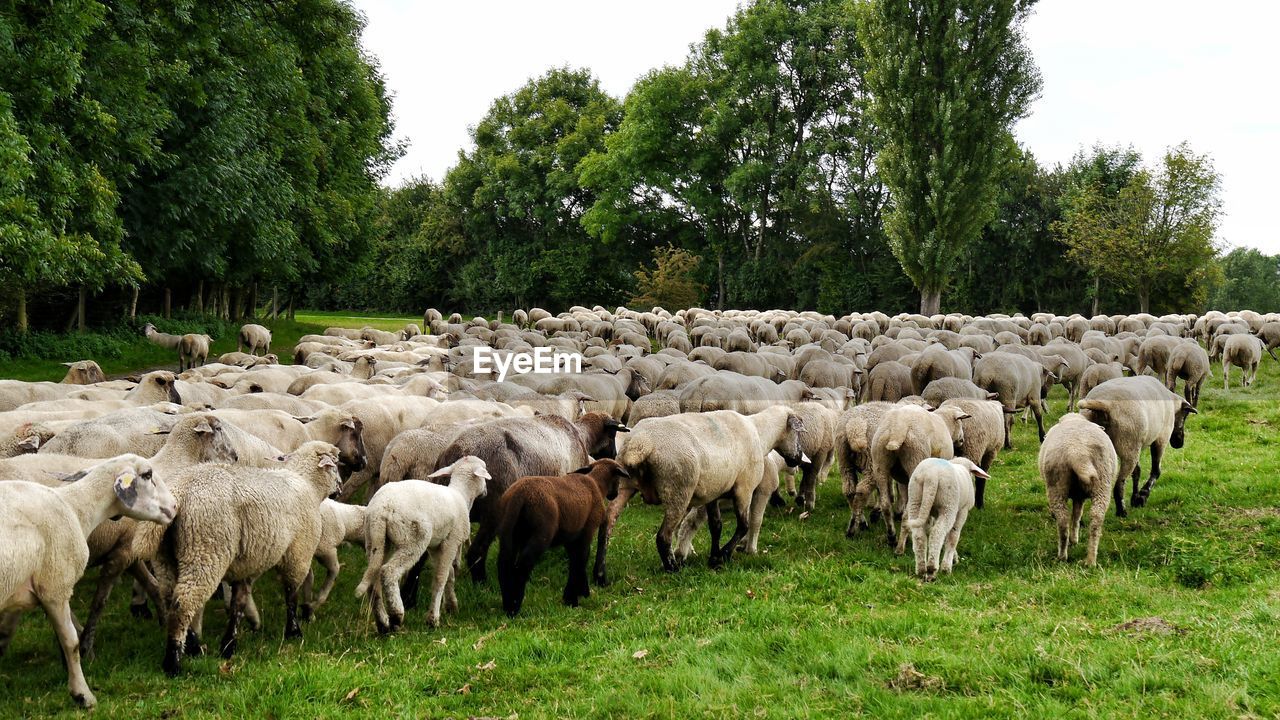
(948, 79)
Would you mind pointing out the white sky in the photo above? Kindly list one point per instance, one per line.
(1150, 73)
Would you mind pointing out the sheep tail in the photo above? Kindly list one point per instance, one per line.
(897, 436)
(375, 542)
(928, 491)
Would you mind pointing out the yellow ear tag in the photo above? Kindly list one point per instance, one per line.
(125, 479)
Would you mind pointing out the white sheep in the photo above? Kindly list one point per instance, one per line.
(45, 548)
(1078, 463)
(339, 523)
(235, 524)
(255, 336)
(415, 517)
(940, 491)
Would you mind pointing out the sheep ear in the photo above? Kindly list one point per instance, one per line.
(69, 477)
(582, 471)
(442, 472)
(158, 431)
(617, 426)
(964, 416)
(30, 443)
(203, 427)
(346, 424)
(482, 472)
(979, 472)
(67, 364)
(326, 461)
(125, 491)
(304, 420)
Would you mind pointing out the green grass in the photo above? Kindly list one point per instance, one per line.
(815, 626)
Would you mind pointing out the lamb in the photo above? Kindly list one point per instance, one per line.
(940, 491)
(540, 512)
(256, 337)
(1078, 463)
(339, 523)
(692, 459)
(417, 518)
(1190, 362)
(236, 523)
(983, 436)
(1137, 412)
(515, 447)
(46, 550)
(1243, 351)
(906, 436)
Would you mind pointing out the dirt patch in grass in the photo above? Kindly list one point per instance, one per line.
(909, 679)
(1149, 626)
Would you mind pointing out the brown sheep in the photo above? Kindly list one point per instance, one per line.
(541, 511)
(1243, 351)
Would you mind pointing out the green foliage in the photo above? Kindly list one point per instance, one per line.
(219, 142)
(948, 78)
(1157, 229)
(671, 283)
(1250, 280)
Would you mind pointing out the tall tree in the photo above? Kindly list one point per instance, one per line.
(1157, 231)
(948, 78)
(1250, 280)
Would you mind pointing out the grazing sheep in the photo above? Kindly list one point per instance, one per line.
(1078, 463)
(1137, 412)
(818, 441)
(1269, 333)
(236, 523)
(945, 388)
(1095, 375)
(515, 447)
(193, 350)
(983, 424)
(888, 381)
(941, 494)
(1019, 382)
(1190, 362)
(693, 459)
(164, 340)
(540, 512)
(46, 551)
(1243, 351)
(255, 337)
(419, 519)
(854, 431)
(659, 403)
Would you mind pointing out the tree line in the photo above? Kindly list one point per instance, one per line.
(826, 154)
(197, 153)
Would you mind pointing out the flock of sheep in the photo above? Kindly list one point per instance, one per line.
(214, 476)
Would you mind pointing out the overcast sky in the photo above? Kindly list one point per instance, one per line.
(1150, 73)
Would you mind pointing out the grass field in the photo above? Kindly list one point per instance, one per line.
(1181, 619)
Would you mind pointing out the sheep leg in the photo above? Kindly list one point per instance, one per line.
(1097, 513)
(979, 491)
(1135, 498)
(145, 587)
(809, 484)
(8, 625)
(920, 548)
(189, 595)
(478, 553)
(1058, 508)
(1157, 452)
(441, 557)
(937, 539)
(1077, 509)
(293, 571)
(107, 577)
(1038, 411)
(59, 612)
(599, 572)
(397, 564)
(412, 580)
(693, 520)
(450, 586)
(577, 586)
(949, 543)
(235, 611)
(329, 561)
(514, 568)
(742, 513)
(672, 515)
(759, 503)
(1008, 428)
(715, 525)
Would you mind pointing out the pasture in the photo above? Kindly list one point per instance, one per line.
(1180, 619)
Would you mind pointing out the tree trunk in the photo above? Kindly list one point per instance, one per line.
(1144, 299)
(290, 311)
(133, 303)
(720, 280)
(22, 310)
(237, 311)
(253, 300)
(225, 312)
(200, 296)
(1097, 291)
(930, 300)
(80, 309)
(275, 302)
(168, 302)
